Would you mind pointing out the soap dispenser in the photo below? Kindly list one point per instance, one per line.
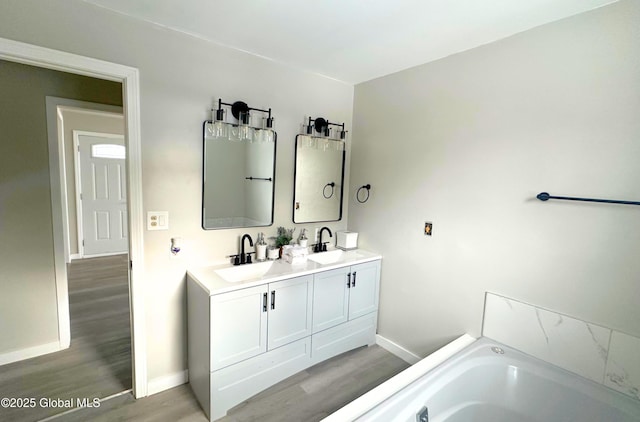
(261, 248)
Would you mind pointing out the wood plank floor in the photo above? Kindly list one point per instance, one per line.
(98, 363)
(307, 396)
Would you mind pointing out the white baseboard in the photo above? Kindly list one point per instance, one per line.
(29, 352)
(74, 256)
(397, 350)
(166, 382)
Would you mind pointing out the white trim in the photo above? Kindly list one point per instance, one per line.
(30, 352)
(396, 349)
(56, 175)
(130, 78)
(372, 398)
(56, 106)
(104, 254)
(74, 256)
(78, 183)
(166, 382)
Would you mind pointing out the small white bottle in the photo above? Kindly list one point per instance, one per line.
(302, 240)
(261, 248)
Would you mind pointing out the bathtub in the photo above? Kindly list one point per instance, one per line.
(488, 381)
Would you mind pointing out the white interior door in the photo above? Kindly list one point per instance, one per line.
(102, 196)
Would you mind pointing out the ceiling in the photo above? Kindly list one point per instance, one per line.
(351, 40)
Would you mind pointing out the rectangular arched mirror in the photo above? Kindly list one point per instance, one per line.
(238, 176)
(319, 178)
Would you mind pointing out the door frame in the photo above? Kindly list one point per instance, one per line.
(130, 78)
(78, 181)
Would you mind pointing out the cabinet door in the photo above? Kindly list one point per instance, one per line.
(289, 310)
(330, 299)
(238, 326)
(365, 282)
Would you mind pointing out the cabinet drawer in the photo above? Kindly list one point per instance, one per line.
(230, 386)
(344, 337)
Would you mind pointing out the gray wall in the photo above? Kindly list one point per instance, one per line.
(180, 78)
(468, 141)
(28, 309)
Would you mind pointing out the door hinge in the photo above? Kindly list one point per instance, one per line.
(81, 196)
(82, 242)
(130, 265)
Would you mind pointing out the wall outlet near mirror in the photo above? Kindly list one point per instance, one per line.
(158, 220)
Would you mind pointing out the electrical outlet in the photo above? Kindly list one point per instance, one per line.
(158, 220)
(316, 237)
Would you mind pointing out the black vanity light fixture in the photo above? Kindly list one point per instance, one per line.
(322, 125)
(241, 111)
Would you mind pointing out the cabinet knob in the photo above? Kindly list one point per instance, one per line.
(348, 280)
(353, 282)
(273, 299)
(264, 302)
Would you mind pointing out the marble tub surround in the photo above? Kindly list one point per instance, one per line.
(623, 364)
(592, 351)
(211, 281)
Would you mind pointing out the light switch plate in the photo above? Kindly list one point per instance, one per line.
(158, 220)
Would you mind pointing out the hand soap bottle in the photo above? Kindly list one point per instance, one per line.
(261, 248)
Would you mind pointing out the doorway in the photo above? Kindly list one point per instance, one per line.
(97, 345)
(52, 59)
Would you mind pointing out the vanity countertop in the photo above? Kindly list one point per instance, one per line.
(212, 281)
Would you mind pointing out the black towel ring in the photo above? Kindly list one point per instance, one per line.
(324, 190)
(368, 188)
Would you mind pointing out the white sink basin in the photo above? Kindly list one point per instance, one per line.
(245, 272)
(327, 257)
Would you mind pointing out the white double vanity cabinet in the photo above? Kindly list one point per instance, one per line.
(254, 325)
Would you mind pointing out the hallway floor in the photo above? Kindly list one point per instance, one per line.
(98, 363)
(307, 396)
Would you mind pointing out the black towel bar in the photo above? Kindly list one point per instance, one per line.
(268, 179)
(544, 196)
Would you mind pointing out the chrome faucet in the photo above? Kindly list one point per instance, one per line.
(321, 246)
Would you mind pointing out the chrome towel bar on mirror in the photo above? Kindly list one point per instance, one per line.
(544, 196)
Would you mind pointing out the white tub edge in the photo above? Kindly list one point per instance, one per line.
(367, 401)
(397, 350)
